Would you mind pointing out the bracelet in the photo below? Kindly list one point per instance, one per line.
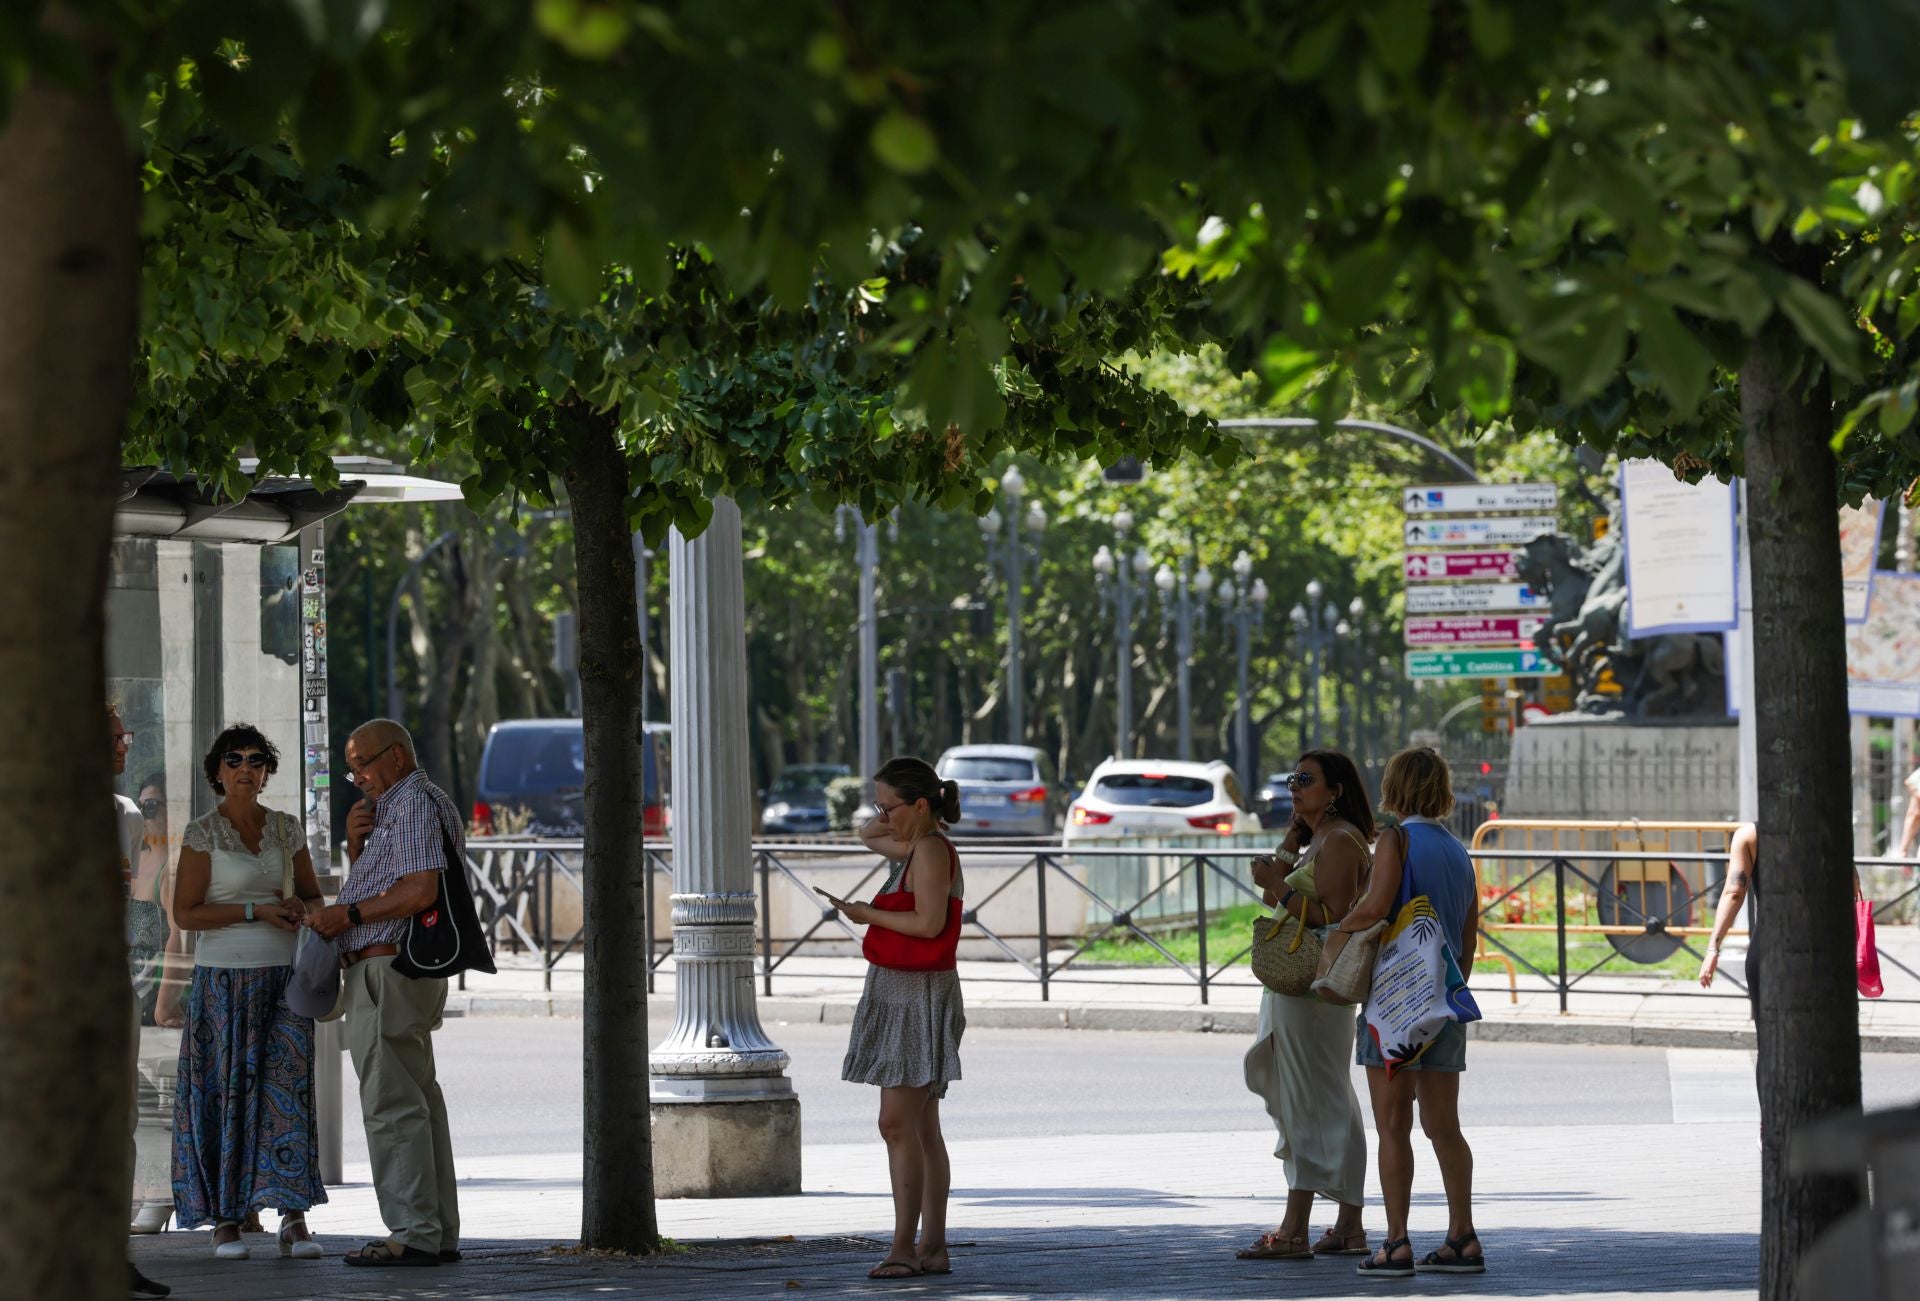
(1713, 951)
(1288, 898)
(1287, 856)
(249, 912)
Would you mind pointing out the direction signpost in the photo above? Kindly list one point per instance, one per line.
(1480, 498)
(1426, 566)
(1472, 598)
(1468, 615)
(1423, 665)
(1503, 530)
(1472, 630)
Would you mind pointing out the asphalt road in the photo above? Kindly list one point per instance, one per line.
(513, 1084)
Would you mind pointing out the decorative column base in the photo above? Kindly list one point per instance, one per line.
(727, 1149)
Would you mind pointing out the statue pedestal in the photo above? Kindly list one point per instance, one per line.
(1599, 768)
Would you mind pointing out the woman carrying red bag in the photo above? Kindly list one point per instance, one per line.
(906, 1031)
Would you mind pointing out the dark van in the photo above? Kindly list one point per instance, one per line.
(539, 765)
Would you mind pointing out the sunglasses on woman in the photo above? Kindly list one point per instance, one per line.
(1299, 781)
(255, 759)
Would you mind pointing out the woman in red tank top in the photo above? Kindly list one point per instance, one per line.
(906, 1031)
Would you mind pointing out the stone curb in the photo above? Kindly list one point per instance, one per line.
(1201, 1020)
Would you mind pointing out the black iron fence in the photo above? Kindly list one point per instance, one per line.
(529, 894)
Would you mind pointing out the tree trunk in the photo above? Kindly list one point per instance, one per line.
(69, 287)
(617, 1211)
(1808, 1025)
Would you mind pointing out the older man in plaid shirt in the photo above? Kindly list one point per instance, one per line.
(396, 840)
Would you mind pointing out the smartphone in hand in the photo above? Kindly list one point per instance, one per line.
(836, 902)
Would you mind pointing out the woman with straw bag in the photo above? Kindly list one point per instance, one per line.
(1298, 1062)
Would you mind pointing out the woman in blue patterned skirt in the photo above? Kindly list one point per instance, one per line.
(243, 1126)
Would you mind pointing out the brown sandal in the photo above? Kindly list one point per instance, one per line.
(1332, 1244)
(1271, 1246)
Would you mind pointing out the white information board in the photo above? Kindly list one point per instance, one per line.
(1681, 551)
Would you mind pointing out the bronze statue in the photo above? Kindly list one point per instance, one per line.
(1672, 675)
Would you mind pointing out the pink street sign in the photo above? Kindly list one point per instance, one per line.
(1424, 566)
(1472, 630)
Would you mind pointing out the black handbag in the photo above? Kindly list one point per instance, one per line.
(446, 938)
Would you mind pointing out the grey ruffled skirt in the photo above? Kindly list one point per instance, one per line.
(906, 1030)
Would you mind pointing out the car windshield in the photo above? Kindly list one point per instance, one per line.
(804, 780)
(988, 768)
(542, 761)
(524, 761)
(1153, 790)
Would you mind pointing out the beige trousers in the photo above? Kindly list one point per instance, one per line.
(390, 1022)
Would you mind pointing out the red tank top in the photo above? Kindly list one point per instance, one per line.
(886, 948)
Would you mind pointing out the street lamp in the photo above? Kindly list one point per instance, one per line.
(1013, 551)
(1118, 580)
(1315, 624)
(867, 552)
(1245, 599)
(1183, 600)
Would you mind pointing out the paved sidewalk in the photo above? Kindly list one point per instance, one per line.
(1578, 1211)
(1603, 1009)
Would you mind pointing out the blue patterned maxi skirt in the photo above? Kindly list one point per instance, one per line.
(243, 1128)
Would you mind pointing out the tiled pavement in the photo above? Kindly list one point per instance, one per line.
(1579, 1211)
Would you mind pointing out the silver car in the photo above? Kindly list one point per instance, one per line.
(1005, 790)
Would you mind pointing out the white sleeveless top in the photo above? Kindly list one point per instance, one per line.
(241, 877)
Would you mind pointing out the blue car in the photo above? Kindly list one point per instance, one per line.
(796, 803)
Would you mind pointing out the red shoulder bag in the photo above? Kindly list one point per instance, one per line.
(885, 948)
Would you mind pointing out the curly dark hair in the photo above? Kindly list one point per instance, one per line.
(237, 736)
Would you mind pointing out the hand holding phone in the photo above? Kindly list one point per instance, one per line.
(836, 902)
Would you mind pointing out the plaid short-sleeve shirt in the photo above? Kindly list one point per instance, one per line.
(407, 823)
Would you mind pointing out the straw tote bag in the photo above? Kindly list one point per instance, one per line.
(1347, 959)
(1282, 965)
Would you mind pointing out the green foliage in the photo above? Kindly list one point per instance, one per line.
(844, 795)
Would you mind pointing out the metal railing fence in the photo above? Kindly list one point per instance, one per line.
(529, 896)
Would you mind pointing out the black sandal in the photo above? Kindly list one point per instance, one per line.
(1388, 1266)
(381, 1252)
(1459, 1263)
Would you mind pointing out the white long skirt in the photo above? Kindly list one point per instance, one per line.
(1300, 1066)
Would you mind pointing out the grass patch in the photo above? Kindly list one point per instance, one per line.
(1232, 930)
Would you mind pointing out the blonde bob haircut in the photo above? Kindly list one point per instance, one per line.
(1417, 784)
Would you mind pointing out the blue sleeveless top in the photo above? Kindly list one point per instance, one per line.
(1438, 867)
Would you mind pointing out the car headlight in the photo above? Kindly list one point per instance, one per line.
(779, 809)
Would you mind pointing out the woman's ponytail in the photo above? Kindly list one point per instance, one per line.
(916, 780)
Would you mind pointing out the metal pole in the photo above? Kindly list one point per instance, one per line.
(1183, 649)
(869, 656)
(640, 557)
(1123, 637)
(316, 762)
(1200, 910)
(1743, 688)
(1242, 717)
(1316, 650)
(1903, 559)
(1016, 676)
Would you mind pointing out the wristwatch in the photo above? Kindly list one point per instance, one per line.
(353, 913)
(249, 912)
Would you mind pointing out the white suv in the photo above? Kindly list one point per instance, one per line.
(1158, 797)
